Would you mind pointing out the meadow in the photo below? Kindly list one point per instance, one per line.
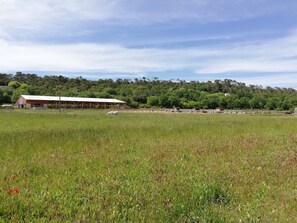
(85, 166)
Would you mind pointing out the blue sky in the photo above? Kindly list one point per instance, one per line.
(251, 41)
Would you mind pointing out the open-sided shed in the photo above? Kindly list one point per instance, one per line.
(31, 101)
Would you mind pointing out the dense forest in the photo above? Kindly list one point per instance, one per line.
(225, 94)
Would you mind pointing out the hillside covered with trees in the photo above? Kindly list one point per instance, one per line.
(226, 94)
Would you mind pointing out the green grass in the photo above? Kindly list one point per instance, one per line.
(83, 166)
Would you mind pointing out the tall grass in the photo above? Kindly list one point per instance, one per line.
(88, 167)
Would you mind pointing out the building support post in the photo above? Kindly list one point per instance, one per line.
(60, 102)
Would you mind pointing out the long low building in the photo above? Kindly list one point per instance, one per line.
(36, 101)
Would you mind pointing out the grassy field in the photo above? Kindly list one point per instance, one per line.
(84, 166)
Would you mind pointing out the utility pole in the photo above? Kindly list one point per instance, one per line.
(60, 101)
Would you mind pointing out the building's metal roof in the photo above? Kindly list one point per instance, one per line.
(73, 99)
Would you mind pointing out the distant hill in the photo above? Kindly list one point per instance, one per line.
(226, 94)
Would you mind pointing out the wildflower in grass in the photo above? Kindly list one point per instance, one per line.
(13, 191)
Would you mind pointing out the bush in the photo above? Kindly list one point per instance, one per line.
(153, 101)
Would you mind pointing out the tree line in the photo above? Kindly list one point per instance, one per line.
(144, 92)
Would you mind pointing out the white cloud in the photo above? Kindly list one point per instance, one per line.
(59, 16)
(32, 17)
(90, 57)
(271, 80)
(248, 65)
(274, 56)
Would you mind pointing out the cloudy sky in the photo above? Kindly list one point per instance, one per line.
(251, 41)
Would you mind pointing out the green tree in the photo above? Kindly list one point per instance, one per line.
(213, 101)
(272, 104)
(164, 101)
(153, 101)
(14, 84)
(174, 101)
(17, 93)
(257, 102)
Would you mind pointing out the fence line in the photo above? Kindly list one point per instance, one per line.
(208, 111)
